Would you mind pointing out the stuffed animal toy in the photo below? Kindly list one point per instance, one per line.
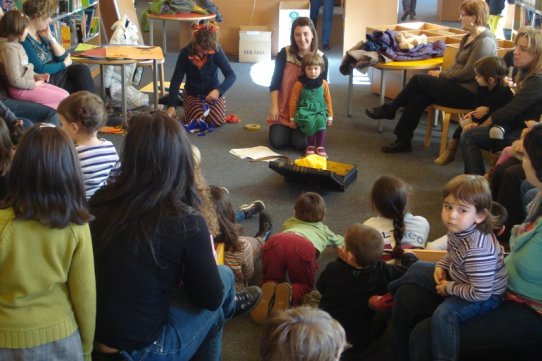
(408, 40)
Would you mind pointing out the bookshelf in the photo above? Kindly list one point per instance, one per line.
(77, 22)
(528, 13)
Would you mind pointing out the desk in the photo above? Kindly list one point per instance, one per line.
(102, 60)
(190, 17)
(426, 64)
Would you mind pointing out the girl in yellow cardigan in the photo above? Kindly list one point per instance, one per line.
(47, 286)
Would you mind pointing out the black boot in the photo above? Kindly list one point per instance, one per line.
(385, 111)
(399, 146)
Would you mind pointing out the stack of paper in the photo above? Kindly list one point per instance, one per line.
(256, 153)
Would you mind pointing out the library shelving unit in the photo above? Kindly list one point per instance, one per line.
(528, 13)
(77, 22)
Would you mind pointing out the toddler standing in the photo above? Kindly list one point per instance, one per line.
(399, 228)
(23, 83)
(310, 104)
(289, 257)
(81, 115)
(471, 276)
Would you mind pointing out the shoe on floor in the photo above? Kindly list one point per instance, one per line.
(283, 296)
(252, 209)
(385, 111)
(310, 150)
(312, 299)
(399, 146)
(246, 299)
(265, 227)
(381, 303)
(321, 152)
(405, 14)
(261, 311)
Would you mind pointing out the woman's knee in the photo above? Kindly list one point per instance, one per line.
(279, 136)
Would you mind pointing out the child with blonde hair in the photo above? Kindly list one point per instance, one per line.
(302, 333)
(310, 104)
(81, 115)
(23, 83)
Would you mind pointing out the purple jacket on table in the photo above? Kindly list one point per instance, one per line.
(200, 81)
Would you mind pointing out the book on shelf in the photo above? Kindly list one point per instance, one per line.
(65, 34)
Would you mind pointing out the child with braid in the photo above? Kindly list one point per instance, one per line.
(399, 228)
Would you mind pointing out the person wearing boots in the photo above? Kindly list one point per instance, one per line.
(409, 8)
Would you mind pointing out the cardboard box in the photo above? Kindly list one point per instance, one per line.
(288, 12)
(254, 44)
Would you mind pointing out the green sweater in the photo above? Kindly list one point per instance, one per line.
(47, 284)
(318, 233)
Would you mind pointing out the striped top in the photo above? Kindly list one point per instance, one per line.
(475, 266)
(97, 162)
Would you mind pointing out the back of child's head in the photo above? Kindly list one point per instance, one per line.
(45, 181)
(313, 59)
(389, 197)
(302, 334)
(6, 147)
(229, 229)
(500, 215)
(491, 67)
(13, 24)
(474, 190)
(205, 35)
(85, 109)
(365, 243)
(310, 207)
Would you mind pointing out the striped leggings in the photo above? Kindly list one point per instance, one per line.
(194, 108)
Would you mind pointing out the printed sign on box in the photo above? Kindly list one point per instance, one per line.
(254, 44)
(288, 12)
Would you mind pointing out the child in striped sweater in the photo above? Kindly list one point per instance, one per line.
(471, 277)
(81, 115)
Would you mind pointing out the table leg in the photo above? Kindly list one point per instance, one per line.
(155, 82)
(350, 89)
(123, 88)
(151, 31)
(382, 95)
(102, 86)
(164, 33)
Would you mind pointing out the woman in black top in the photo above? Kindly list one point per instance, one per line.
(161, 295)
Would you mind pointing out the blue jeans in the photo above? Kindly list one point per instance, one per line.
(191, 333)
(67, 348)
(281, 136)
(31, 113)
(474, 140)
(328, 17)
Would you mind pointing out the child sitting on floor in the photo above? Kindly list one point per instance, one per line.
(347, 283)
(81, 115)
(302, 333)
(310, 104)
(399, 228)
(289, 257)
(19, 74)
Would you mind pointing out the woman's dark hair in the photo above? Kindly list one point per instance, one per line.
(12, 25)
(205, 35)
(310, 207)
(156, 180)
(45, 182)
(533, 148)
(40, 9)
(491, 67)
(303, 21)
(84, 108)
(389, 197)
(6, 148)
(229, 229)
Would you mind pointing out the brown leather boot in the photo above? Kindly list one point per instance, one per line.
(449, 153)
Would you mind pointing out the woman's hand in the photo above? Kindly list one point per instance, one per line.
(434, 73)
(273, 113)
(212, 96)
(68, 60)
(46, 34)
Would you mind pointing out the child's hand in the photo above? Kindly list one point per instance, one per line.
(439, 275)
(213, 95)
(480, 112)
(171, 112)
(517, 146)
(441, 288)
(468, 115)
(39, 83)
(470, 126)
(529, 124)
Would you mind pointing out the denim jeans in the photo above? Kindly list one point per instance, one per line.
(474, 140)
(191, 333)
(281, 136)
(327, 14)
(31, 113)
(67, 348)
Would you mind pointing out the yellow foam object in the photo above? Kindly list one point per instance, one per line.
(312, 161)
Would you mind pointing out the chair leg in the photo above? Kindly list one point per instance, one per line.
(430, 116)
(162, 86)
(444, 137)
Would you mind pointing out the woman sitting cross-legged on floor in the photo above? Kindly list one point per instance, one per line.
(454, 87)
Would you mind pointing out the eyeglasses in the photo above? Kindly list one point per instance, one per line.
(464, 15)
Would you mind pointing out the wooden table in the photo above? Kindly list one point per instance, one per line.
(190, 17)
(426, 64)
(104, 61)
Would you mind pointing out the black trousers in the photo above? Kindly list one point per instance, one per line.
(74, 78)
(421, 91)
